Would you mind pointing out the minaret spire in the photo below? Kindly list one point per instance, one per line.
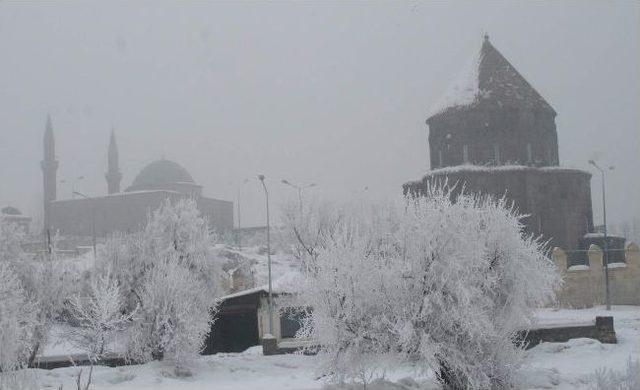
(49, 166)
(113, 175)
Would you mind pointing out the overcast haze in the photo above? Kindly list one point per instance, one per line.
(332, 93)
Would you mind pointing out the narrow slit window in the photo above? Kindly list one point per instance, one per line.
(465, 154)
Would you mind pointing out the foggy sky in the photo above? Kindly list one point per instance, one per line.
(332, 93)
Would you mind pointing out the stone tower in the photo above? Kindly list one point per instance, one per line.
(492, 133)
(49, 166)
(492, 116)
(113, 174)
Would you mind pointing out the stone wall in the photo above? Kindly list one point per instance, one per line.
(127, 212)
(521, 136)
(584, 285)
(557, 201)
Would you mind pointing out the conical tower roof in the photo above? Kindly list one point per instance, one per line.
(489, 80)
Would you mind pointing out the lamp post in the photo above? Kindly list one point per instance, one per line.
(605, 245)
(93, 220)
(266, 194)
(300, 189)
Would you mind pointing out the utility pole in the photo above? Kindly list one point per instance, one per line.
(266, 194)
(606, 244)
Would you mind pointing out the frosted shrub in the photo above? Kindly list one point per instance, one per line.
(607, 379)
(450, 284)
(169, 272)
(11, 236)
(18, 321)
(43, 285)
(175, 314)
(98, 318)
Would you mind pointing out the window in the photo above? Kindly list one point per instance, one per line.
(496, 154)
(529, 153)
(465, 153)
(440, 159)
(290, 322)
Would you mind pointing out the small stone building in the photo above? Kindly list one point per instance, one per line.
(242, 322)
(493, 133)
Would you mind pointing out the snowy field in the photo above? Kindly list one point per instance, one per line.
(548, 366)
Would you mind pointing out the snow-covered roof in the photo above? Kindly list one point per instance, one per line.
(488, 78)
(494, 169)
(121, 194)
(285, 284)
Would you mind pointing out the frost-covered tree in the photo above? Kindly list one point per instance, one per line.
(122, 256)
(44, 284)
(448, 283)
(175, 314)
(171, 273)
(174, 230)
(11, 238)
(17, 321)
(96, 319)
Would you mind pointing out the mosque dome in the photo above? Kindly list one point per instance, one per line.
(160, 174)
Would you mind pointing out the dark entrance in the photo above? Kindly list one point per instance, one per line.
(236, 327)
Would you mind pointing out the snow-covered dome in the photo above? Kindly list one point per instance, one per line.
(158, 174)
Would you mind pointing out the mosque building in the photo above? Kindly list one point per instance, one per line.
(128, 210)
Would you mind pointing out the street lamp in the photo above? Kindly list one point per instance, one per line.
(300, 189)
(93, 220)
(605, 245)
(266, 194)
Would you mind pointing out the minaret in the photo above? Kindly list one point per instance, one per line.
(113, 175)
(49, 167)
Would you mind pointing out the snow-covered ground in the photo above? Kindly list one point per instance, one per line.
(547, 366)
(568, 365)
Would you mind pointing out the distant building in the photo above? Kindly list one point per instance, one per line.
(494, 133)
(14, 215)
(124, 211)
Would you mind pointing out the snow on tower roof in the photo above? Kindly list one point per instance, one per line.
(489, 78)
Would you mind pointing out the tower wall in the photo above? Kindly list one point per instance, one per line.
(557, 200)
(493, 136)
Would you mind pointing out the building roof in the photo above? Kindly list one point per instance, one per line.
(158, 173)
(489, 79)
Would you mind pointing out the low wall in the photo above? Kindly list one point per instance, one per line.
(584, 285)
(601, 330)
